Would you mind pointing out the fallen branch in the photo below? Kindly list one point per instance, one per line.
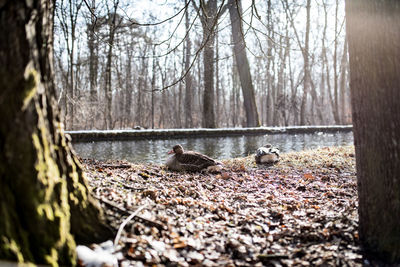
(119, 166)
(148, 222)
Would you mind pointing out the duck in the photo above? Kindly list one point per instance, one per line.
(267, 154)
(191, 161)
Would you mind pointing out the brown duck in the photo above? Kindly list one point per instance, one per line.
(190, 161)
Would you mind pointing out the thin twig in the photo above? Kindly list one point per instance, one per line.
(134, 22)
(121, 227)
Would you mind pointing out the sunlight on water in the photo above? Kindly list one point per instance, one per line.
(155, 151)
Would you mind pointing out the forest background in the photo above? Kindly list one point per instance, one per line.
(160, 64)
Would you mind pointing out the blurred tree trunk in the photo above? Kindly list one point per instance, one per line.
(288, 82)
(343, 83)
(217, 79)
(335, 99)
(280, 105)
(153, 86)
(44, 200)
(239, 47)
(112, 18)
(177, 96)
(164, 102)
(326, 63)
(269, 103)
(373, 29)
(324, 67)
(234, 97)
(188, 77)
(199, 94)
(129, 81)
(307, 75)
(93, 64)
(141, 87)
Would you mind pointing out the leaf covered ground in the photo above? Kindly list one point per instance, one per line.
(301, 211)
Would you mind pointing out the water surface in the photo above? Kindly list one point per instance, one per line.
(155, 151)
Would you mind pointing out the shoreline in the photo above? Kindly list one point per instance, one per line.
(151, 134)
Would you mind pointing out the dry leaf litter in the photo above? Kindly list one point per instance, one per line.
(301, 211)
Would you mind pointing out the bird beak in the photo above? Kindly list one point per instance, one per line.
(171, 152)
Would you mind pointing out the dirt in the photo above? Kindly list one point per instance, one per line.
(301, 211)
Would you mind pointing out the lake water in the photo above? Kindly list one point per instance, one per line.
(155, 151)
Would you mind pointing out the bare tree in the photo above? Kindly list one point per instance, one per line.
(235, 11)
(113, 21)
(68, 15)
(92, 26)
(335, 99)
(208, 18)
(188, 77)
(343, 83)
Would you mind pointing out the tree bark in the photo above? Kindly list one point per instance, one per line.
(373, 29)
(239, 47)
(343, 84)
(335, 107)
(208, 22)
(44, 200)
(112, 17)
(93, 65)
(307, 75)
(188, 78)
(141, 87)
(153, 86)
(268, 96)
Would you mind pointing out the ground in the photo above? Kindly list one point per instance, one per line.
(301, 211)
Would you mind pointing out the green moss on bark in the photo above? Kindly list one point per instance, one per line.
(44, 200)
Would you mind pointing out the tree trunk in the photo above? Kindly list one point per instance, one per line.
(336, 115)
(44, 198)
(270, 59)
(343, 84)
(140, 88)
(217, 78)
(307, 76)
(239, 47)
(93, 65)
(188, 77)
(108, 88)
(128, 86)
(373, 29)
(208, 97)
(208, 23)
(153, 86)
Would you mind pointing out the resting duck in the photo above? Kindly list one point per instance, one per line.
(267, 154)
(190, 161)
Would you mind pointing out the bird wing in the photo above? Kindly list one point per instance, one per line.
(194, 161)
(261, 151)
(275, 151)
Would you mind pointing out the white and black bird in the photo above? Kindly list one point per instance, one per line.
(191, 161)
(267, 154)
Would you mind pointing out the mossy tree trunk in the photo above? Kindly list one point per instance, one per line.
(44, 201)
(373, 29)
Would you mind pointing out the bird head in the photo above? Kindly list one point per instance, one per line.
(177, 149)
